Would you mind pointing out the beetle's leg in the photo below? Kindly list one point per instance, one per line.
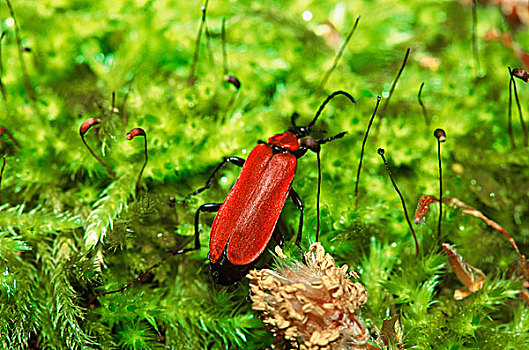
(299, 204)
(208, 207)
(315, 146)
(278, 237)
(233, 160)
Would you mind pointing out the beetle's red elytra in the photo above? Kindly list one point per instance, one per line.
(246, 220)
(263, 186)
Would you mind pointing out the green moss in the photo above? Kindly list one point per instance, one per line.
(68, 230)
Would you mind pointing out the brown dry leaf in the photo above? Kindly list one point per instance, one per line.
(392, 331)
(473, 278)
(422, 208)
(467, 209)
(425, 201)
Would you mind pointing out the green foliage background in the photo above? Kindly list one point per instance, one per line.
(68, 230)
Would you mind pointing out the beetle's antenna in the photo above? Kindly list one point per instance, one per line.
(191, 79)
(327, 100)
(338, 57)
(440, 135)
(381, 153)
(362, 152)
(1, 173)
(133, 133)
(424, 111)
(87, 124)
(524, 128)
(293, 118)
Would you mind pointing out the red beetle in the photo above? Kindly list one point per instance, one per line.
(247, 218)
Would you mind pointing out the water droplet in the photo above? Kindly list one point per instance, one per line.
(10, 22)
(462, 228)
(385, 94)
(473, 181)
(191, 105)
(306, 15)
(394, 244)
(492, 194)
(224, 180)
(159, 235)
(244, 150)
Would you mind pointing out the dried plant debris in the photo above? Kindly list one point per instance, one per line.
(524, 292)
(313, 306)
(425, 201)
(522, 269)
(422, 208)
(473, 278)
(391, 335)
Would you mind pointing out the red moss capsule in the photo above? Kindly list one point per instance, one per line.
(135, 132)
(87, 124)
(233, 80)
(520, 73)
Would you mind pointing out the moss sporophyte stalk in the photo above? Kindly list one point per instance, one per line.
(313, 306)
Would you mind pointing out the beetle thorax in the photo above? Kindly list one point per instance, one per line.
(286, 140)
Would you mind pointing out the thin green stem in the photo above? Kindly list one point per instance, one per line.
(381, 153)
(25, 75)
(424, 111)
(192, 78)
(337, 57)
(362, 152)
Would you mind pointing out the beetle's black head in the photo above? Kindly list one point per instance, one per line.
(224, 272)
(299, 131)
